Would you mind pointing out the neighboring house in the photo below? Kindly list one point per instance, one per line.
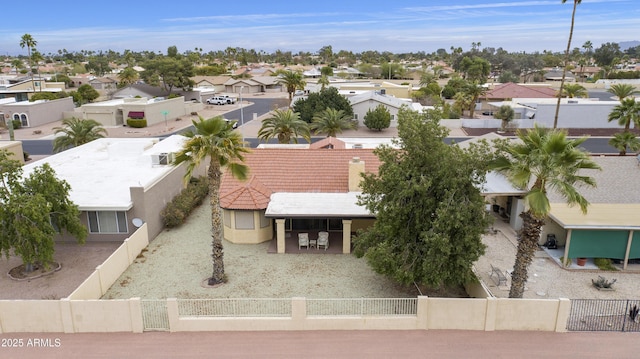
(120, 183)
(139, 90)
(116, 112)
(292, 190)
(215, 83)
(313, 73)
(574, 113)
(556, 75)
(254, 85)
(391, 89)
(103, 84)
(37, 113)
(369, 100)
(23, 88)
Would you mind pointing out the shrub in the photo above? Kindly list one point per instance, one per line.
(16, 124)
(177, 211)
(604, 264)
(137, 122)
(377, 119)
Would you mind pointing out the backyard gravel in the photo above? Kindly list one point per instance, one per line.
(178, 261)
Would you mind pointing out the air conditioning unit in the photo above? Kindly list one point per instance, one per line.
(162, 159)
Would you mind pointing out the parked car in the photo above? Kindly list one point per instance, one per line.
(230, 99)
(235, 122)
(217, 100)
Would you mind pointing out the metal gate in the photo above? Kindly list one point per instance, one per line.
(154, 315)
(604, 315)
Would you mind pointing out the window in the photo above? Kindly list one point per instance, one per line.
(24, 120)
(107, 222)
(244, 220)
(393, 117)
(355, 116)
(264, 221)
(226, 217)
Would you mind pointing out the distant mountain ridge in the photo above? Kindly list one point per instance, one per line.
(628, 44)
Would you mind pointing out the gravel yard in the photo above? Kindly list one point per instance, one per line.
(178, 261)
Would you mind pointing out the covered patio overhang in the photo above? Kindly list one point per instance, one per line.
(614, 220)
(342, 206)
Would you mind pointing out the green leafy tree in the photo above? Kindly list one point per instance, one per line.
(98, 65)
(622, 91)
(214, 140)
(76, 132)
(331, 122)
(626, 113)
(574, 90)
(606, 54)
(44, 96)
(33, 210)
(168, 73)
(625, 140)
(506, 114)
(429, 217)
(475, 69)
(566, 60)
(292, 81)
(285, 126)
(542, 160)
(28, 41)
(62, 78)
(87, 93)
(326, 71)
(508, 76)
(378, 118)
(318, 101)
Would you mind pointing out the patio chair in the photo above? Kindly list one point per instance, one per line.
(303, 240)
(323, 240)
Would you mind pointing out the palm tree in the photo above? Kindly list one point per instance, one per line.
(506, 114)
(128, 76)
(214, 139)
(474, 91)
(323, 81)
(331, 122)
(621, 91)
(543, 159)
(574, 90)
(623, 140)
(76, 132)
(28, 41)
(627, 112)
(285, 125)
(566, 59)
(292, 80)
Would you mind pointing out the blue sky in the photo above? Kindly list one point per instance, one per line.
(393, 25)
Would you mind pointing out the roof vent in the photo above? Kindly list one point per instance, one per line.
(357, 145)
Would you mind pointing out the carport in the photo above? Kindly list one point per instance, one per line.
(605, 231)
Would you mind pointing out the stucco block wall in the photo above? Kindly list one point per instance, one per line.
(14, 148)
(40, 112)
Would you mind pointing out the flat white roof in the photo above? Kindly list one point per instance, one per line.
(101, 172)
(287, 204)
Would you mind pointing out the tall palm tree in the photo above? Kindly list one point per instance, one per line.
(28, 41)
(566, 60)
(623, 140)
(474, 91)
(621, 91)
(331, 122)
(76, 132)
(574, 90)
(627, 112)
(292, 80)
(542, 160)
(214, 139)
(285, 125)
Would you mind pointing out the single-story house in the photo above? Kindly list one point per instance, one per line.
(369, 100)
(23, 89)
(555, 74)
(103, 83)
(116, 112)
(290, 190)
(254, 85)
(37, 113)
(120, 183)
(215, 83)
(510, 90)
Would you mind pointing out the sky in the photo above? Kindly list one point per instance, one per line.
(353, 25)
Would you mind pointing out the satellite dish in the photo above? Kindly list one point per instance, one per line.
(137, 222)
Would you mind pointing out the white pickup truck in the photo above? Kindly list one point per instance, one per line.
(230, 99)
(217, 100)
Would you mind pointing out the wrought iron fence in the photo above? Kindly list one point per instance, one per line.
(604, 315)
(363, 306)
(239, 307)
(154, 314)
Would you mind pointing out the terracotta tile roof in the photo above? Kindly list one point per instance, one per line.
(292, 170)
(511, 90)
(253, 194)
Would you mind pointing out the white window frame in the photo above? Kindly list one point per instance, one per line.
(120, 221)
